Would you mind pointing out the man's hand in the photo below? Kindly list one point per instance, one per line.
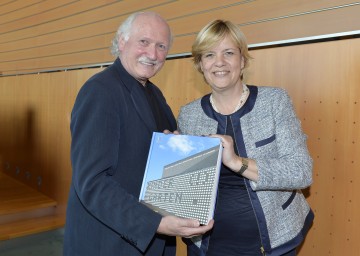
(175, 226)
(168, 132)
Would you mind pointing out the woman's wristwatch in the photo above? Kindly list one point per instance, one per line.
(244, 166)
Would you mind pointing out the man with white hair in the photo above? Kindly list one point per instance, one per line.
(112, 122)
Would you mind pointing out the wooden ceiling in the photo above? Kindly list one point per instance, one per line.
(47, 35)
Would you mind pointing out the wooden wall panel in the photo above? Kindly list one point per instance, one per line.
(262, 22)
(11, 6)
(301, 26)
(24, 10)
(53, 61)
(44, 16)
(46, 31)
(78, 14)
(63, 48)
(34, 132)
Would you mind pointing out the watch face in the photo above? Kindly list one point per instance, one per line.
(245, 162)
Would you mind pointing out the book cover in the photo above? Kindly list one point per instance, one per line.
(182, 175)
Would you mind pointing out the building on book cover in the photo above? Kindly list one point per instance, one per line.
(181, 175)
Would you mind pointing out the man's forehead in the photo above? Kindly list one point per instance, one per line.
(147, 32)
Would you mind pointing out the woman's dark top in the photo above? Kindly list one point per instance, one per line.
(235, 229)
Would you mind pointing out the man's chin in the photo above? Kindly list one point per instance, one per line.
(144, 79)
(147, 74)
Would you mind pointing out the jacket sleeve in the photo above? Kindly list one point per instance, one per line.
(283, 159)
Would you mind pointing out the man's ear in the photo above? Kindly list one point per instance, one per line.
(121, 43)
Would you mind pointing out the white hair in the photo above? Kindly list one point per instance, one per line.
(125, 29)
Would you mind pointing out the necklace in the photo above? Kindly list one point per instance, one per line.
(242, 100)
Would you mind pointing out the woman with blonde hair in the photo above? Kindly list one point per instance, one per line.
(260, 208)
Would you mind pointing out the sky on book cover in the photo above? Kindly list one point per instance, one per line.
(169, 148)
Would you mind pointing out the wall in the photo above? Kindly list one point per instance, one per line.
(34, 131)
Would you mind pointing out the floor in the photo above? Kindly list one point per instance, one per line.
(43, 244)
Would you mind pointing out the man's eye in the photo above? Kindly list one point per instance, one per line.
(162, 47)
(144, 42)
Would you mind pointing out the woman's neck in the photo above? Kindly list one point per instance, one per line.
(228, 102)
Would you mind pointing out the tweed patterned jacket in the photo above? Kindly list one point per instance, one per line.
(271, 134)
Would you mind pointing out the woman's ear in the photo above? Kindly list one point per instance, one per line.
(242, 63)
(201, 67)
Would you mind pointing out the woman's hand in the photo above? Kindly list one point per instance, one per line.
(229, 157)
(233, 161)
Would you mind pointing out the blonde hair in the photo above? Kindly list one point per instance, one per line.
(212, 34)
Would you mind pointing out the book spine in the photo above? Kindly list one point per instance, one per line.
(143, 186)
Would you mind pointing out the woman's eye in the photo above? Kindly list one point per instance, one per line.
(229, 53)
(208, 55)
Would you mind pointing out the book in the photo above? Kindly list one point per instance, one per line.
(181, 176)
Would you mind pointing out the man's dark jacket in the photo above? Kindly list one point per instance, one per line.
(111, 128)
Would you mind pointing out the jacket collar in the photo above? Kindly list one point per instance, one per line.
(137, 95)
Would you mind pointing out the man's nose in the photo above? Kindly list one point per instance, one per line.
(152, 52)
